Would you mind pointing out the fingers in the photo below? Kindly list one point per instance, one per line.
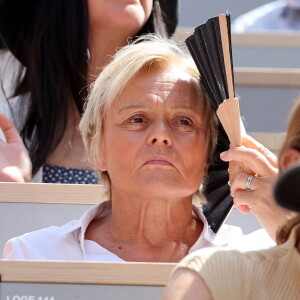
(255, 160)
(9, 130)
(244, 198)
(250, 142)
(258, 193)
(239, 183)
(12, 174)
(241, 196)
(244, 209)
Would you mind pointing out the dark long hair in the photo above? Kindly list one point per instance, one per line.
(52, 47)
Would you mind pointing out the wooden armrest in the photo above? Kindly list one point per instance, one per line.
(85, 272)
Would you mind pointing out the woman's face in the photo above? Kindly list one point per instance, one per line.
(154, 139)
(117, 15)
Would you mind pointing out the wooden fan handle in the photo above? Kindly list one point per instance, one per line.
(226, 54)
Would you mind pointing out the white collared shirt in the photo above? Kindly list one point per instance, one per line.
(68, 242)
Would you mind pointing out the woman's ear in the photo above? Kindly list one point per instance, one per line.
(289, 158)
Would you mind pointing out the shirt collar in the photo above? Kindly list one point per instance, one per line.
(78, 227)
(207, 237)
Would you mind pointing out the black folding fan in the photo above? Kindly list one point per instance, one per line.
(210, 47)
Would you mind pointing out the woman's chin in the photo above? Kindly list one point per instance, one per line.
(164, 187)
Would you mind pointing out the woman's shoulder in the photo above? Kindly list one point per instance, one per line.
(212, 259)
(278, 267)
(43, 244)
(211, 262)
(224, 257)
(56, 242)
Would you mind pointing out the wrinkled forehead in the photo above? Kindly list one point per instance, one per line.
(170, 72)
(169, 84)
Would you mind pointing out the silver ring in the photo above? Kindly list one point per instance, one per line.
(248, 183)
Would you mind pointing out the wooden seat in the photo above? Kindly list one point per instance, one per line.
(44, 193)
(53, 280)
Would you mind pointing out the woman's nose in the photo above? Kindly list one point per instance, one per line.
(160, 135)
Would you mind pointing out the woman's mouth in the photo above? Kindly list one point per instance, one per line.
(159, 162)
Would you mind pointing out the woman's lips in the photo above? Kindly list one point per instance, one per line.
(160, 162)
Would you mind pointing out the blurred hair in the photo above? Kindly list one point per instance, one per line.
(50, 39)
(284, 231)
(292, 141)
(148, 53)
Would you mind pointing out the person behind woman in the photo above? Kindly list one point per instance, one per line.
(62, 46)
(280, 15)
(148, 131)
(268, 274)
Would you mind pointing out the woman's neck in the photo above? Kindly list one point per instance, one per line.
(101, 51)
(143, 229)
(152, 221)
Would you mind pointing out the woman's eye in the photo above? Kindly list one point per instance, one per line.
(185, 121)
(137, 120)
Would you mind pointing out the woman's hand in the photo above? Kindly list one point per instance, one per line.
(259, 198)
(15, 164)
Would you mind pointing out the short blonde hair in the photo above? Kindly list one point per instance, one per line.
(146, 53)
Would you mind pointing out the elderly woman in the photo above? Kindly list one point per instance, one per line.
(149, 131)
(270, 274)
